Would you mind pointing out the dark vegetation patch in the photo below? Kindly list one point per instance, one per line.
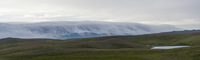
(103, 48)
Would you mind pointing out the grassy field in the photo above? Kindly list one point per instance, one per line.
(103, 48)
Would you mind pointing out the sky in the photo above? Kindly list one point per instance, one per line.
(181, 13)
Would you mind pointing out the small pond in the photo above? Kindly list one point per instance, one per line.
(168, 47)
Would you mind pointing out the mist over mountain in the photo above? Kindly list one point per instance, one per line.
(78, 29)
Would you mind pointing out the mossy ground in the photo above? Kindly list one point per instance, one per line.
(103, 48)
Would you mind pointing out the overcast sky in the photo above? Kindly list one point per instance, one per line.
(174, 12)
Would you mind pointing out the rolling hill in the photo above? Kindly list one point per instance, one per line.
(106, 48)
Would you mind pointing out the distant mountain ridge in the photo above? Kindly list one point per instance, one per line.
(184, 31)
(78, 29)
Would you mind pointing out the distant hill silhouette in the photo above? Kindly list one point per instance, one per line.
(185, 31)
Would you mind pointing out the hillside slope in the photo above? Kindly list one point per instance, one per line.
(107, 48)
(81, 29)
